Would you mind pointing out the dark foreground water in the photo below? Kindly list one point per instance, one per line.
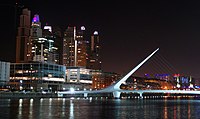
(61, 108)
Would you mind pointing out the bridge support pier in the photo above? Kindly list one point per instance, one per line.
(85, 95)
(141, 96)
(116, 94)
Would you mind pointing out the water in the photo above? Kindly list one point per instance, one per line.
(61, 108)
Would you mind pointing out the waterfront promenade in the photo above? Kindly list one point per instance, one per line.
(27, 95)
(151, 94)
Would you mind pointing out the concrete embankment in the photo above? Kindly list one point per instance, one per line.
(27, 95)
(108, 95)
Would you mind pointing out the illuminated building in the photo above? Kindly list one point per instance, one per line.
(52, 55)
(36, 31)
(147, 83)
(36, 76)
(78, 75)
(4, 73)
(165, 77)
(58, 34)
(82, 48)
(49, 28)
(102, 80)
(35, 36)
(78, 78)
(75, 47)
(22, 39)
(197, 83)
(184, 82)
(95, 56)
(68, 47)
(77, 51)
(41, 44)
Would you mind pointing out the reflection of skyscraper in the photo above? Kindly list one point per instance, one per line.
(22, 39)
(74, 47)
(95, 54)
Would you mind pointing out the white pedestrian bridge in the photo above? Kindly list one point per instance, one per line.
(116, 91)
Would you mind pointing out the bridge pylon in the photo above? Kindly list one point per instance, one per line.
(114, 88)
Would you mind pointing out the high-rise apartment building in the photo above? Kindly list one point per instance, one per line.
(52, 51)
(22, 39)
(33, 44)
(58, 34)
(75, 47)
(36, 45)
(41, 45)
(82, 48)
(95, 52)
(68, 47)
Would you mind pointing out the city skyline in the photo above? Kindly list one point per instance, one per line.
(129, 31)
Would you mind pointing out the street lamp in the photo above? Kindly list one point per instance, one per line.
(50, 89)
(71, 90)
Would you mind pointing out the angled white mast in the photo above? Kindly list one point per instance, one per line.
(116, 86)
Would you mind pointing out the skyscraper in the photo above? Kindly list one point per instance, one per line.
(41, 43)
(52, 51)
(68, 47)
(82, 47)
(22, 39)
(95, 52)
(58, 34)
(75, 47)
(36, 41)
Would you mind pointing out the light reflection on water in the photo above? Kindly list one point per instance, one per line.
(56, 108)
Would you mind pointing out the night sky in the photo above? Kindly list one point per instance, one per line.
(129, 30)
